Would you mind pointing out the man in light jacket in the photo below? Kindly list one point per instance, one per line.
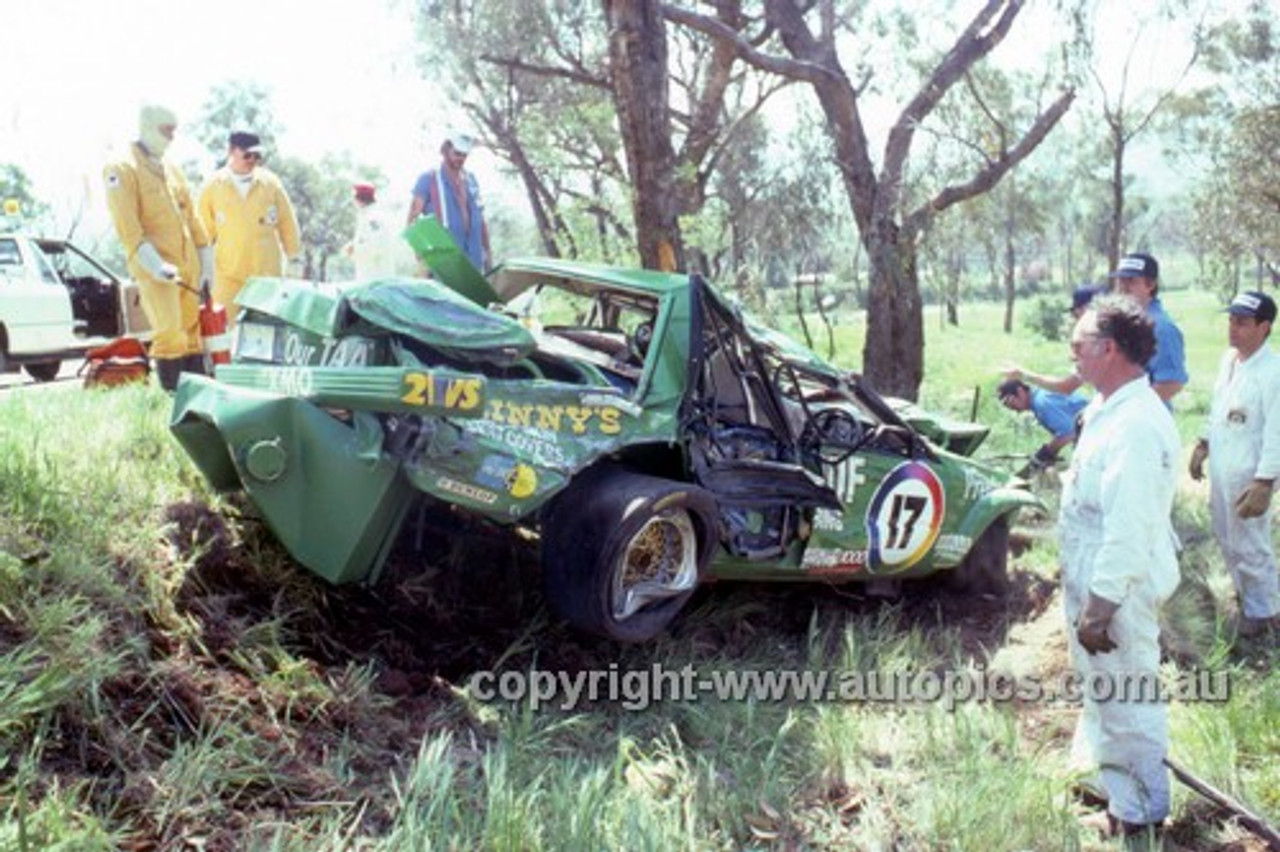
(1243, 436)
(1119, 562)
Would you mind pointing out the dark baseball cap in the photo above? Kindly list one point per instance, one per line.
(1260, 306)
(1083, 295)
(1137, 266)
(245, 141)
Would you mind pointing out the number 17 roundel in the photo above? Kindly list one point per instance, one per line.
(904, 517)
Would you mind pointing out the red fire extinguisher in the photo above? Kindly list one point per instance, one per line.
(213, 331)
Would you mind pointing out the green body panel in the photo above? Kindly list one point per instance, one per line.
(433, 243)
(344, 404)
(323, 486)
(854, 544)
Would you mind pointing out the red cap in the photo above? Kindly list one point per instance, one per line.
(364, 191)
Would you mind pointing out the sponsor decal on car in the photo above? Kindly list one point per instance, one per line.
(467, 491)
(845, 477)
(904, 517)
(952, 547)
(430, 389)
(537, 447)
(503, 472)
(577, 419)
(827, 560)
(828, 520)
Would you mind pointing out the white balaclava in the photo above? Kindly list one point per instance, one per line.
(150, 120)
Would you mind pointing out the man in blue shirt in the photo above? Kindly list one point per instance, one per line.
(1056, 412)
(1138, 277)
(452, 195)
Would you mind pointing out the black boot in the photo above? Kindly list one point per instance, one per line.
(167, 370)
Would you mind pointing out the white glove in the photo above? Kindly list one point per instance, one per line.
(154, 264)
(206, 271)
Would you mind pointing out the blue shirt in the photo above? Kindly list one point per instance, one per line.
(1169, 364)
(431, 186)
(1057, 412)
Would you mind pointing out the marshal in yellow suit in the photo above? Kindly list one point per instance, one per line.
(251, 223)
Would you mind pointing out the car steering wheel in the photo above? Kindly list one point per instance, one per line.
(834, 434)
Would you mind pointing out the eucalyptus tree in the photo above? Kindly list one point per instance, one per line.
(823, 46)
(601, 109)
(1136, 88)
(1229, 135)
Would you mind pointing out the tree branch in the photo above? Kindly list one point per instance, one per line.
(989, 176)
(972, 45)
(793, 68)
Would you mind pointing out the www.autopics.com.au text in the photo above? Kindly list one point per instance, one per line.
(638, 689)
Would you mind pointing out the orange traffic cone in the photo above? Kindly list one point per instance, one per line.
(213, 331)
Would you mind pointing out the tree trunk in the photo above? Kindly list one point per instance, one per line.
(1115, 239)
(893, 354)
(638, 56)
(1010, 276)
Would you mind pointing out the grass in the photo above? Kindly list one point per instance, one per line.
(169, 680)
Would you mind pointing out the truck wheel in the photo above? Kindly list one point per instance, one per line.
(985, 570)
(622, 552)
(45, 371)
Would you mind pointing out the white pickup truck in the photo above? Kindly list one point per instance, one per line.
(56, 302)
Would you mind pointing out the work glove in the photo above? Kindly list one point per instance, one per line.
(1044, 458)
(206, 273)
(1198, 457)
(155, 265)
(1254, 500)
(1094, 621)
(1041, 460)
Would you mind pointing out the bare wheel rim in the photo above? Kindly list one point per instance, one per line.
(660, 562)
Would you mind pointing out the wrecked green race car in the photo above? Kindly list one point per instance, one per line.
(651, 434)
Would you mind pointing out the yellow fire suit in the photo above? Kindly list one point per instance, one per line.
(252, 235)
(1117, 542)
(150, 201)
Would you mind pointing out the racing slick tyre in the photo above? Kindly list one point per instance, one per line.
(985, 570)
(44, 371)
(623, 552)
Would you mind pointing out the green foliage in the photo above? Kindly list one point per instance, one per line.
(1047, 318)
(16, 186)
(236, 105)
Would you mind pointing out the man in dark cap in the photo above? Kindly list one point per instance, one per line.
(249, 218)
(1138, 277)
(1082, 296)
(1243, 434)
